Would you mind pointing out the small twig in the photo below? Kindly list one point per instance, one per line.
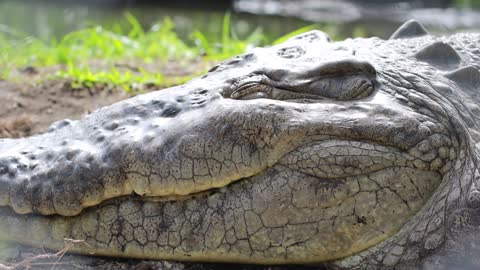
(27, 263)
(69, 243)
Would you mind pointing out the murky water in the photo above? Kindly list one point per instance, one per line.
(339, 18)
(375, 17)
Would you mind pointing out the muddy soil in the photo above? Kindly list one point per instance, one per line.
(29, 104)
(27, 109)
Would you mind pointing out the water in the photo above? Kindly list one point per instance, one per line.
(47, 20)
(375, 17)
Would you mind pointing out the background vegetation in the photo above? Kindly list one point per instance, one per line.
(97, 55)
(89, 47)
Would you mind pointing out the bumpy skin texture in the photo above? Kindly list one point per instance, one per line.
(355, 154)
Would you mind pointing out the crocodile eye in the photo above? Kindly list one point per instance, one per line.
(345, 88)
(340, 80)
(260, 90)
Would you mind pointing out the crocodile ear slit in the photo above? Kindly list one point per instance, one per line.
(440, 55)
(468, 76)
(409, 29)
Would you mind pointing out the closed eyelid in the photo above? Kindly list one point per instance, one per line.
(338, 88)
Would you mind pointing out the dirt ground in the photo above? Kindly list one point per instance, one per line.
(30, 104)
(28, 108)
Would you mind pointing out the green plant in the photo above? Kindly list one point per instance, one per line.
(90, 56)
(467, 3)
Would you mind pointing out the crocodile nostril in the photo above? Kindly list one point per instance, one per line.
(291, 52)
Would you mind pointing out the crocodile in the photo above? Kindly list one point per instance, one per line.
(359, 154)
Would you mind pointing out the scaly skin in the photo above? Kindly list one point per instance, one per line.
(356, 154)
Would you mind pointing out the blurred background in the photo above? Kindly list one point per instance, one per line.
(342, 18)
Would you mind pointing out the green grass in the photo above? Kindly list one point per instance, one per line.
(467, 3)
(78, 54)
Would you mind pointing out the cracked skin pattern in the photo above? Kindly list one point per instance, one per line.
(355, 154)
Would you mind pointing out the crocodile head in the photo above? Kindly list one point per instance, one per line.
(308, 151)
